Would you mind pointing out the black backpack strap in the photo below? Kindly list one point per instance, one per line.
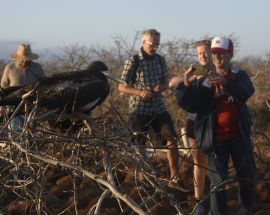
(136, 62)
(135, 67)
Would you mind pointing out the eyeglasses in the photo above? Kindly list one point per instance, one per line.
(153, 44)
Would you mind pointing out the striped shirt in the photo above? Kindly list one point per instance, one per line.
(151, 71)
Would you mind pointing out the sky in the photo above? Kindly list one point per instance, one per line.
(59, 23)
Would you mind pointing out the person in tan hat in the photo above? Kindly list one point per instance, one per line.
(21, 72)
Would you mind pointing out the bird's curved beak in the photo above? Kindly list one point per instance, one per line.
(109, 75)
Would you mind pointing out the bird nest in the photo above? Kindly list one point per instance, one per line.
(93, 156)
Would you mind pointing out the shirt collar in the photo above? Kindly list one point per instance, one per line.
(146, 56)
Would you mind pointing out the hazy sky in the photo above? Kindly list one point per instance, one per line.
(53, 23)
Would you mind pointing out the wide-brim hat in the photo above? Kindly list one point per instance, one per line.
(24, 52)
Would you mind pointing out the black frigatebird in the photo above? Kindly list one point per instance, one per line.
(68, 91)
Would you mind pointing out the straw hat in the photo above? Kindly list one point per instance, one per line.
(24, 52)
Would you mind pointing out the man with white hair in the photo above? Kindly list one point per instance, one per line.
(223, 124)
(145, 78)
(21, 72)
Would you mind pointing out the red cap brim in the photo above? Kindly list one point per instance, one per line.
(219, 51)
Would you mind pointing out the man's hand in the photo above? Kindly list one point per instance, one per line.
(145, 95)
(189, 77)
(218, 79)
(157, 89)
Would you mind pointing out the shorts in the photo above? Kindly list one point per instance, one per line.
(160, 123)
(190, 128)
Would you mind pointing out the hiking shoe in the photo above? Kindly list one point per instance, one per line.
(177, 184)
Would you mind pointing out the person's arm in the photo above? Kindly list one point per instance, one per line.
(241, 88)
(186, 98)
(191, 94)
(184, 93)
(4, 83)
(176, 80)
(144, 94)
(129, 78)
(5, 78)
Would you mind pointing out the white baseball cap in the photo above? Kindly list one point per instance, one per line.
(221, 45)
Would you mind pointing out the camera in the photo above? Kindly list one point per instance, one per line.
(198, 69)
